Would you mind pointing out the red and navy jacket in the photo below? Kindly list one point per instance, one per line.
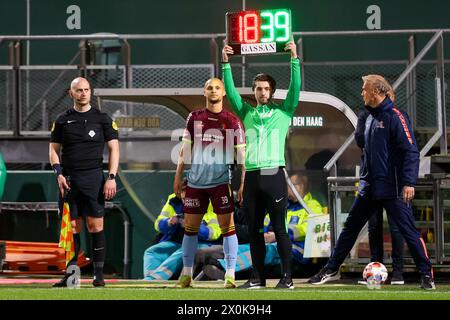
(391, 157)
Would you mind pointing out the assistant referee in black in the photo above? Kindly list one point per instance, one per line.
(79, 135)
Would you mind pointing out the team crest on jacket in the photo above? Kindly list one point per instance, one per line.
(91, 133)
(380, 125)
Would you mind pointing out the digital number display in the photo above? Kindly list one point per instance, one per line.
(258, 32)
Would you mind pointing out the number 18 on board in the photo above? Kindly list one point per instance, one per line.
(258, 31)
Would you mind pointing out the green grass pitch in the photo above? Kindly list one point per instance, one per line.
(212, 290)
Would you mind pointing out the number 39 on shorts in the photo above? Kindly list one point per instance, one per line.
(224, 199)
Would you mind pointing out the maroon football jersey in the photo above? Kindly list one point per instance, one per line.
(214, 137)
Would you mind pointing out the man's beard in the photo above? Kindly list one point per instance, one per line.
(264, 101)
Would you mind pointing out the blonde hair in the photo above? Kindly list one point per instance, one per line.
(391, 94)
(380, 85)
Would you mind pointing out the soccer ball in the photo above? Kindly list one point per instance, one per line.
(375, 274)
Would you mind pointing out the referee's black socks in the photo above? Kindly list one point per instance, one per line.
(98, 253)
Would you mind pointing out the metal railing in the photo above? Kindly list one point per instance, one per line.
(436, 39)
(317, 76)
(437, 183)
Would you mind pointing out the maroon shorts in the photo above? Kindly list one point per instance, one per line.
(197, 200)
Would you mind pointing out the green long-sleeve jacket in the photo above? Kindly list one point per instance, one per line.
(266, 126)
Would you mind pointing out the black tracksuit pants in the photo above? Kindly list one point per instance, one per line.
(265, 191)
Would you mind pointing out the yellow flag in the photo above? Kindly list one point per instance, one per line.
(66, 235)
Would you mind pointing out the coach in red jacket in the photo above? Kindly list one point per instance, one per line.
(390, 170)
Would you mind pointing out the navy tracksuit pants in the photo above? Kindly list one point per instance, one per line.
(399, 211)
(376, 241)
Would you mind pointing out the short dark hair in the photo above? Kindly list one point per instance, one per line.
(265, 77)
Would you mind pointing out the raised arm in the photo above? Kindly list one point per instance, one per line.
(290, 104)
(239, 106)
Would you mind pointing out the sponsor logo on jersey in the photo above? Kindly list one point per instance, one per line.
(191, 203)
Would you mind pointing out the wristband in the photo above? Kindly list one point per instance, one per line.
(57, 169)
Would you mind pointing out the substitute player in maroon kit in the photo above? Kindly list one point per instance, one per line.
(211, 139)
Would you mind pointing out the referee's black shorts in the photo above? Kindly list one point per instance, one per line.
(86, 196)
